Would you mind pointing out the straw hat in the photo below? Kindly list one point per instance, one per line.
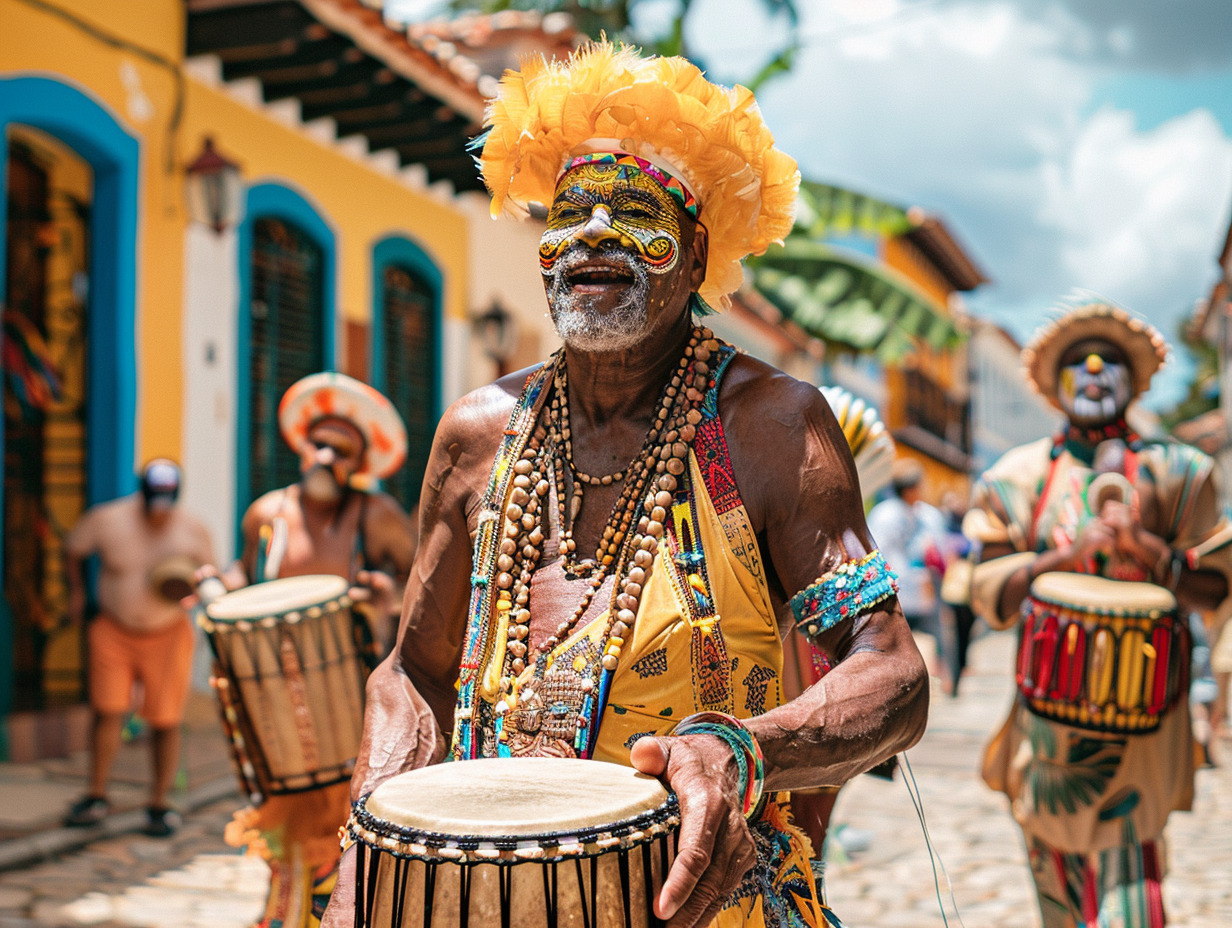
(331, 395)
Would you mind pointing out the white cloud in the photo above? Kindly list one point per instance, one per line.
(1141, 214)
(983, 114)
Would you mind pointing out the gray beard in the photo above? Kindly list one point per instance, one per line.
(319, 484)
(582, 326)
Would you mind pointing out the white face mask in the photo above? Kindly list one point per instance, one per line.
(1094, 397)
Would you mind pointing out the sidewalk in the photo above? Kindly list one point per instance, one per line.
(34, 796)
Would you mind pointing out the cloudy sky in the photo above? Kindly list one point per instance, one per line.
(1068, 144)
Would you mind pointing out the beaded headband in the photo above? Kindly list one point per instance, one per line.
(678, 189)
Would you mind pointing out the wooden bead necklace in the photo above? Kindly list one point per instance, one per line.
(629, 541)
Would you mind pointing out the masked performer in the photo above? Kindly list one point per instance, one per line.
(331, 522)
(617, 539)
(1092, 761)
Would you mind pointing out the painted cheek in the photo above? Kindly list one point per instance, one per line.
(658, 248)
(552, 245)
(1067, 388)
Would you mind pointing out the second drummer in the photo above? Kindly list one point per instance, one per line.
(331, 522)
(1096, 499)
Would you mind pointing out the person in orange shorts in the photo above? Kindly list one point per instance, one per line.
(148, 548)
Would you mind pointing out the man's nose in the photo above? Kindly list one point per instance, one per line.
(598, 228)
(1095, 364)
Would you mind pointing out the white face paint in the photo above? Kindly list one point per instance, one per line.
(1094, 397)
(580, 317)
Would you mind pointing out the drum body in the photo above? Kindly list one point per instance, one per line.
(1104, 655)
(513, 843)
(290, 682)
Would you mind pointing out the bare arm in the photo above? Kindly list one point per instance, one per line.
(874, 702)
(80, 544)
(799, 485)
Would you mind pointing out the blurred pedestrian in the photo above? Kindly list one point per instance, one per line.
(1093, 770)
(910, 532)
(333, 521)
(958, 620)
(148, 547)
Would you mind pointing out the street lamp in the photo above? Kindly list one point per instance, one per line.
(497, 333)
(214, 189)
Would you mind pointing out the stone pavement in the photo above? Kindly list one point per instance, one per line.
(978, 846)
(34, 796)
(194, 880)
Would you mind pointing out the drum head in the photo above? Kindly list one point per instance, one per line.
(1100, 595)
(172, 579)
(496, 797)
(276, 597)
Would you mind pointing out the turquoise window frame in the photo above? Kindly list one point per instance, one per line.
(270, 200)
(114, 155)
(402, 250)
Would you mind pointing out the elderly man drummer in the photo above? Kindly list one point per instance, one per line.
(616, 540)
(333, 521)
(1092, 798)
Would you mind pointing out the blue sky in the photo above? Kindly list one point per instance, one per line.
(1068, 144)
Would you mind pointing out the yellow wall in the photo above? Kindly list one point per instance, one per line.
(360, 204)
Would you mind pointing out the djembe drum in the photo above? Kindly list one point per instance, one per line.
(1104, 655)
(290, 682)
(531, 842)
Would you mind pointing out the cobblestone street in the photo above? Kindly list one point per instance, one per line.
(194, 879)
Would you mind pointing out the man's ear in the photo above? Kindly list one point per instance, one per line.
(700, 252)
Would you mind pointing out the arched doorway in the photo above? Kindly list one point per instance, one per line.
(68, 276)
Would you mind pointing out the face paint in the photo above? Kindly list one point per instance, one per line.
(612, 242)
(612, 203)
(1094, 393)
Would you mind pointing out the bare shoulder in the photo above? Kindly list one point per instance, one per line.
(783, 439)
(266, 506)
(756, 396)
(470, 431)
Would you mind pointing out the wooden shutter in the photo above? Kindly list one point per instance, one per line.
(410, 376)
(287, 341)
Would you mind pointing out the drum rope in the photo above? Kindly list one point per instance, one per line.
(622, 859)
(934, 858)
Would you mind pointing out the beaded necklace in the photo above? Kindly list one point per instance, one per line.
(546, 701)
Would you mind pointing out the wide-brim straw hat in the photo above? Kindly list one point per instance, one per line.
(1144, 347)
(330, 395)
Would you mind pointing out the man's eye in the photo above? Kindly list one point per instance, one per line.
(637, 212)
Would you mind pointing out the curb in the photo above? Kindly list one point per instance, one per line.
(44, 845)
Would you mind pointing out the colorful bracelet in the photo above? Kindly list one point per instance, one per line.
(750, 763)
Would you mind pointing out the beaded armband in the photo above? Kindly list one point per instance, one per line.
(750, 763)
(851, 589)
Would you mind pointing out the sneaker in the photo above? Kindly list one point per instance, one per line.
(161, 823)
(87, 811)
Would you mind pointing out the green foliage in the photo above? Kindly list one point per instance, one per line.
(615, 19)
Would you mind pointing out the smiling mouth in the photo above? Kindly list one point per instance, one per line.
(598, 278)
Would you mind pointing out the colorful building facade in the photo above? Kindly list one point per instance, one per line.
(136, 327)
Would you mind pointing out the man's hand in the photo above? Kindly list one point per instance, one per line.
(714, 847)
(1133, 542)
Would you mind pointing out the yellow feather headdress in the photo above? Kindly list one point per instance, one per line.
(663, 110)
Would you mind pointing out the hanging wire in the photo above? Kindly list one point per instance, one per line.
(934, 858)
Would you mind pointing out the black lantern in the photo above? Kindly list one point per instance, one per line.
(214, 189)
(497, 332)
